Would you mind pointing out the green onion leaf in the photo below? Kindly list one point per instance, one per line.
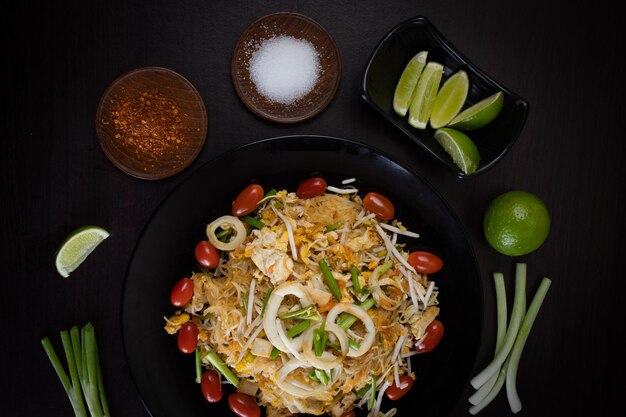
(372, 400)
(198, 360)
(306, 313)
(275, 353)
(267, 298)
(322, 376)
(332, 227)
(346, 320)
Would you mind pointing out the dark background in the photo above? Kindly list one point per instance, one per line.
(566, 60)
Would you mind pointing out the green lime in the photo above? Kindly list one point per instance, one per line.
(480, 114)
(425, 94)
(450, 99)
(516, 223)
(460, 147)
(408, 80)
(77, 246)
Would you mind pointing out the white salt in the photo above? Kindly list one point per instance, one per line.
(284, 69)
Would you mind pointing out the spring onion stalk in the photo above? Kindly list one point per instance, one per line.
(267, 298)
(493, 392)
(520, 341)
(305, 313)
(223, 234)
(346, 320)
(85, 384)
(298, 328)
(330, 280)
(517, 313)
(198, 365)
(256, 223)
(332, 227)
(223, 369)
(313, 376)
(364, 391)
(501, 318)
(356, 283)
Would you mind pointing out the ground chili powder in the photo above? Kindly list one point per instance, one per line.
(150, 125)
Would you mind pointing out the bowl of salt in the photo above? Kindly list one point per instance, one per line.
(286, 67)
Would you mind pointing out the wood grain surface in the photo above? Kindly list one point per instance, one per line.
(565, 59)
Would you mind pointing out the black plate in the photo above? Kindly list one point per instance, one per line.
(165, 253)
(389, 59)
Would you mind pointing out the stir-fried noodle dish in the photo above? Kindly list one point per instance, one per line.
(308, 302)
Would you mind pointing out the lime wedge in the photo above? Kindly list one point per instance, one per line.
(77, 246)
(408, 80)
(425, 94)
(480, 114)
(450, 99)
(460, 147)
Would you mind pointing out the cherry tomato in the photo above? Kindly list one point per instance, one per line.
(188, 337)
(211, 385)
(395, 393)
(350, 413)
(207, 255)
(311, 188)
(248, 200)
(380, 205)
(434, 334)
(243, 405)
(182, 292)
(425, 262)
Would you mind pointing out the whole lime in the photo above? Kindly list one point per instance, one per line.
(516, 223)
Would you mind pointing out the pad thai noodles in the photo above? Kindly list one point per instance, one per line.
(308, 301)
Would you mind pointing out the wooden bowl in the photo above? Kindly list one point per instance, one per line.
(151, 123)
(300, 27)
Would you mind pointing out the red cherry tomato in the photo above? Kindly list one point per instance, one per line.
(182, 292)
(350, 413)
(243, 405)
(311, 188)
(425, 262)
(395, 393)
(207, 255)
(248, 200)
(188, 337)
(211, 385)
(434, 334)
(380, 205)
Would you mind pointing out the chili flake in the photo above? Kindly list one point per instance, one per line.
(150, 124)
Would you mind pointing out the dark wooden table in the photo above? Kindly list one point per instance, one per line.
(564, 59)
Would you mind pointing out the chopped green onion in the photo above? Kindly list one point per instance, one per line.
(353, 343)
(332, 227)
(298, 328)
(356, 283)
(385, 267)
(219, 364)
(223, 234)
(366, 389)
(330, 280)
(267, 298)
(270, 193)
(275, 353)
(322, 376)
(517, 313)
(244, 301)
(520, 341)
(320, 339)
(198, 359)
(382, 253)
(204, 270)
(306, 313)
(334, 346)
(372, 400)
(313, 376)
(346, 320)
(256, 223)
